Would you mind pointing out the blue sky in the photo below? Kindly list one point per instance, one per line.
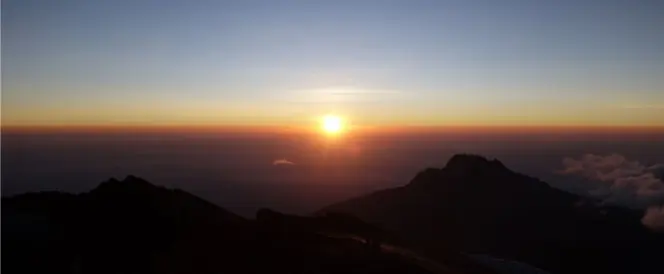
(398, 62)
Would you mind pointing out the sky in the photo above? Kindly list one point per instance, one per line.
(121, 62)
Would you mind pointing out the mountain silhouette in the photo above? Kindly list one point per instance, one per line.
(472, 213)
(132, 226)
(479, 206)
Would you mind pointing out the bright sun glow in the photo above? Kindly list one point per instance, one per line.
(332, 124)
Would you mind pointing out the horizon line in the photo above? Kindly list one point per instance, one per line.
(313, 128)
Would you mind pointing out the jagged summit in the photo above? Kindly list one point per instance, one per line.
(129, 185)
(469, 166)
(465, 168)
(130, 180)
(471, 162)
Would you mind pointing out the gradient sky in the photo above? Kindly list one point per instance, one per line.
(374, 62)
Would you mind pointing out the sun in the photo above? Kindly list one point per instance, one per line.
(332, 124)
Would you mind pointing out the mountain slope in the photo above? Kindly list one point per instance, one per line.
(117, 226)
(477, 205)
(132, 226)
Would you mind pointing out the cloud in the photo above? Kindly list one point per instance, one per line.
(282, 161)
(654, 218)
(644, 106)
(620, 180)
(344, 94)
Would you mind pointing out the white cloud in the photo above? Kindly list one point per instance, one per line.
(282, 162)
(654, 218)
(622, 181)
(643, 106)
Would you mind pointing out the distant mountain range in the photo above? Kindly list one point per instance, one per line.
(478, 206)
(457, 219)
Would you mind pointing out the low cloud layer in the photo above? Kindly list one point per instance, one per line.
(622, 180)
(654, 218)
(617, 180)
(282, 162)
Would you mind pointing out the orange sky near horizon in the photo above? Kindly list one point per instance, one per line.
(173, 115)
(315, 129)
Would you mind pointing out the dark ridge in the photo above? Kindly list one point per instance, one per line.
(427, 175)
(133, 226)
